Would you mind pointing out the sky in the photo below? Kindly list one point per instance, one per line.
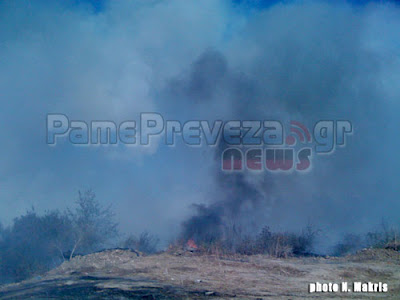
(286, 60)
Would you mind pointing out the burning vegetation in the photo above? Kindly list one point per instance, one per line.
(37, 243)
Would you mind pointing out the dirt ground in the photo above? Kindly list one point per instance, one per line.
(121, 274)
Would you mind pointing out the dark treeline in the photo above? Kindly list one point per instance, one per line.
(33, 243)
(211, 235)
(232, 240)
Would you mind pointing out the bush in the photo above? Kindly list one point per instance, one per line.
(33, 244)
(36, 243)
(92, 225)
(350, 244)
(277, 244)
(386, 237)
(246, 246)
(304, 243)
(145, 243)
(284, 244)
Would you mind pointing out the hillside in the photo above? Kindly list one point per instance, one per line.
(122, 274)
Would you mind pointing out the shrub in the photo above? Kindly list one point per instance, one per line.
(145, 243)
(93, 226)
(350, 244)
(277, 244)
(273, 244)
(246, 246)
(31, 245)
(386, 237)
(36, 243)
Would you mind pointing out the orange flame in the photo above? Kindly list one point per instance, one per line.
(191, 244)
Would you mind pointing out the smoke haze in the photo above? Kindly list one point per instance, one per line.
(297, 60)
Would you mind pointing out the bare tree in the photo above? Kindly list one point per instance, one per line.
(93, 225)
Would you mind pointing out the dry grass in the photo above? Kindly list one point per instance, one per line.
(245, 277)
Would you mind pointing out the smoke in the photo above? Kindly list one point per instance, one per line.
(304, 61)
(299, 62)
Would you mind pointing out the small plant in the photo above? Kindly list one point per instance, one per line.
(145, 243)
(386, 237)
(350, 244)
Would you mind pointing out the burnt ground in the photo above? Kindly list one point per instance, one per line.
(121, 274)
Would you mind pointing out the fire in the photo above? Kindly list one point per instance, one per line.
(191, 244)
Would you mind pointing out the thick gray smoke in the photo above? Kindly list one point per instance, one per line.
(300, 62)
(304, 61)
